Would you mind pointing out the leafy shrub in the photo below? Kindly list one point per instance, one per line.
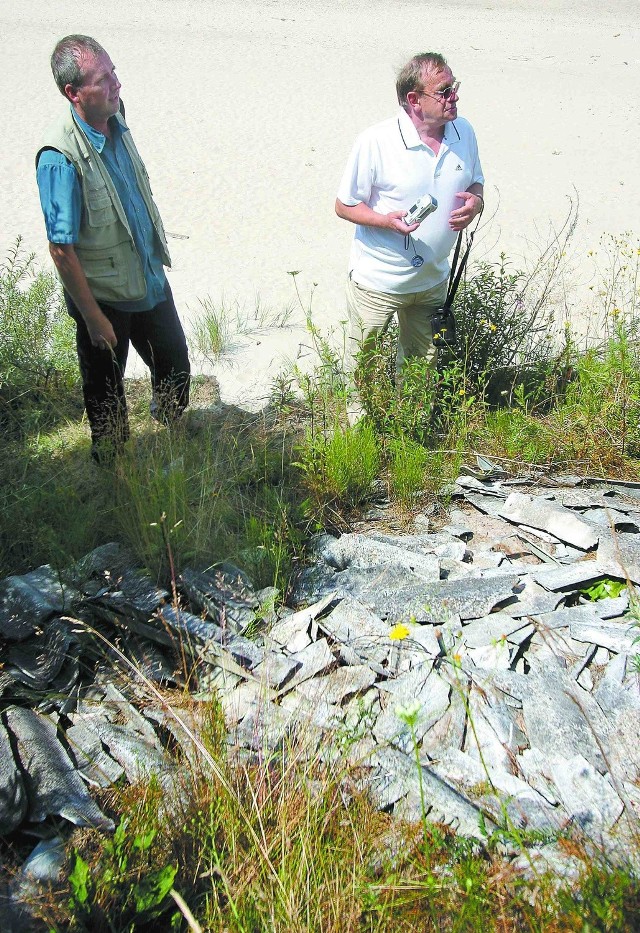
(37, 355)
(499, 328)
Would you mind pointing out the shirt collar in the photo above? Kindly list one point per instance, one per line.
(95, 137)
(410, 135)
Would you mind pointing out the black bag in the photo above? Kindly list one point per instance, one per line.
(443, 328)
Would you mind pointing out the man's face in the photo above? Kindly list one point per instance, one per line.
(98, 97)
(435, 107)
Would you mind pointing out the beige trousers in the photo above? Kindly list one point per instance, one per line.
(370, 313)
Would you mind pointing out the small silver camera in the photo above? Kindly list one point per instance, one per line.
(422, 208)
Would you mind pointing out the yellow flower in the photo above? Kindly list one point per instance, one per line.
(399, 631)
(615, 312)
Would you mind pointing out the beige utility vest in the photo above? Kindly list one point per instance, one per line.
(105, 246)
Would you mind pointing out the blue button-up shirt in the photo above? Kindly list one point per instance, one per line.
(61, 200)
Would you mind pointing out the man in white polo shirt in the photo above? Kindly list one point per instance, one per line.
(397, 268)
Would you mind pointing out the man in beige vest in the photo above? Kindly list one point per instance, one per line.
(109, 248)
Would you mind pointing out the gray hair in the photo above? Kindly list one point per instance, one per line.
(411, 76)
(66, 59)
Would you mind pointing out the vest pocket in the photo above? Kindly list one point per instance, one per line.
(100, 209)
(100, 266)
(113, 274)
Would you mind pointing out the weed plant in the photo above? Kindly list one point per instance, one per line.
(394, 410)
(617, 262)
(603, 403)
(129, 872)
(407, 470)
(226, 494)
(325, 391)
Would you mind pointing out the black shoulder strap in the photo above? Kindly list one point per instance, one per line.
(456, 270)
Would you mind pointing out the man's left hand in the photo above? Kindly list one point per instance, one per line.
(461, 217)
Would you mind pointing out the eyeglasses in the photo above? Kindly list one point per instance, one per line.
(445, 93)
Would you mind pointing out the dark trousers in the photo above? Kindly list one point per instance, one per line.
(158, 337)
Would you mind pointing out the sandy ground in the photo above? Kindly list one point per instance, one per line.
(245, 113)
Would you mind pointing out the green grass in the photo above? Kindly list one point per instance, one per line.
(407, 470)
(593, 427)
(216, 328)
(338, 469)
(225, 491)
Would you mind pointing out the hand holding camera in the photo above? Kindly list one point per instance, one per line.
(422, 208)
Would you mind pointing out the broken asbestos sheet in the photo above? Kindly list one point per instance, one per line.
(506, 634)
(551, 517)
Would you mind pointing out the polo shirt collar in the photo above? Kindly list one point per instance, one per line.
(95, 137)
(410, 133)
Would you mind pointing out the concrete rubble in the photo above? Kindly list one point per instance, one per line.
(474, 648)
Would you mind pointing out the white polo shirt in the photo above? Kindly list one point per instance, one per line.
(389, 169)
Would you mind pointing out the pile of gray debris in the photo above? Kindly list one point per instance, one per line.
(521, 690)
